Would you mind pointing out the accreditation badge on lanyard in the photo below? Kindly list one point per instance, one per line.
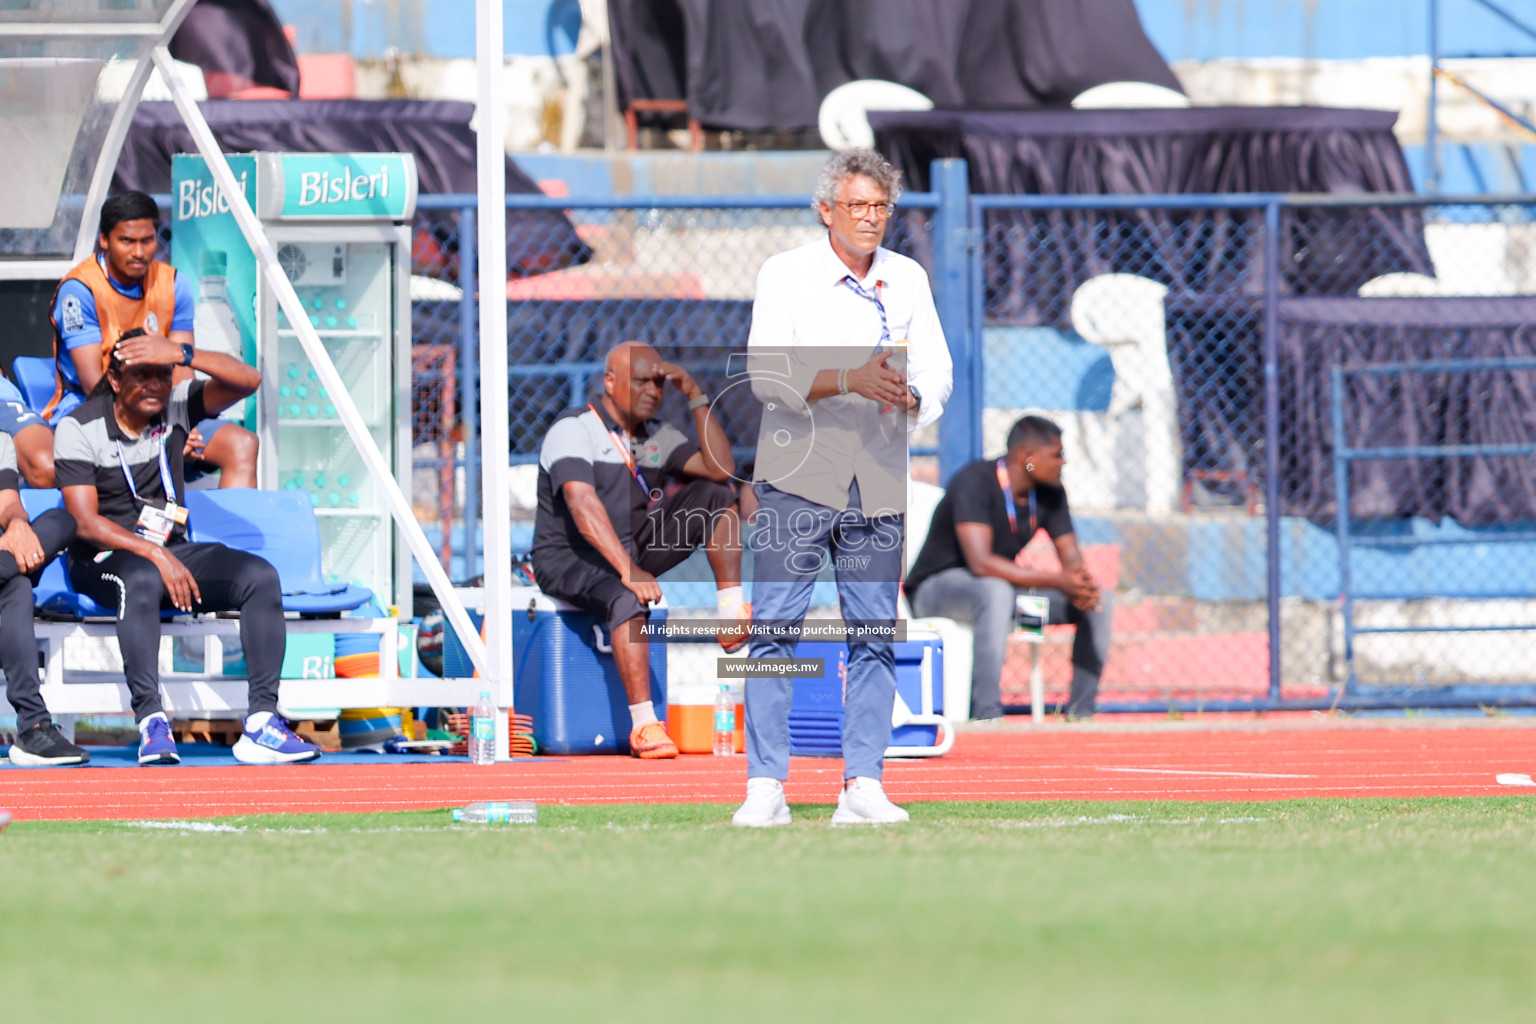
(155, 524)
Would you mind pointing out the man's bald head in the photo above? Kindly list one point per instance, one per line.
(632, 382)
(623, 356)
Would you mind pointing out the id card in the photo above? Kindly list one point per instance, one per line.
(1032, 612)
(155, 524)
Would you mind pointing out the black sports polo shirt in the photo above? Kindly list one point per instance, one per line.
(85, 453)
(580, 447)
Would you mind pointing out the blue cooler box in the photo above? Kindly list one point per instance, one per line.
(816, 711)
(563, 675)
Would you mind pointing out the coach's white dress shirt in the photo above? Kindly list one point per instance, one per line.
(806, 318)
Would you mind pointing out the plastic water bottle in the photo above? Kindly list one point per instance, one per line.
(725, 721)
(482, 730)
(498, 812)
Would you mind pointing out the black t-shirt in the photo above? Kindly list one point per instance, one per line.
(974, 496)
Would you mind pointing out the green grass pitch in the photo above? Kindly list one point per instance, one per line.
(1369, 910)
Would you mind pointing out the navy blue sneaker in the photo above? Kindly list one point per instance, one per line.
(155, 743)
(273, 743)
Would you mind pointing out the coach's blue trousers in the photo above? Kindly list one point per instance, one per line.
(793, 541)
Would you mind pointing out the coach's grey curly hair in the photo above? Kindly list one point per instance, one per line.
(851, 162)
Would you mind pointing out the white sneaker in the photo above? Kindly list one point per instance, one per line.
(863, 802)
(765, 806)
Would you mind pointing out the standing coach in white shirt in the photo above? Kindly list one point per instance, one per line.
(847, 356)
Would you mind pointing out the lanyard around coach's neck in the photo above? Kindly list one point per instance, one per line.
(165, 471)
(628, 456)
(872, 296)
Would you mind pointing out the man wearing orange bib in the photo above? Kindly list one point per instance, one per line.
(119, 288)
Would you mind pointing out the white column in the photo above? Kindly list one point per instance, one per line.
(491, 173)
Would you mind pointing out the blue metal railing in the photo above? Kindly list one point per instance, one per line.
(1344, 454)
(1272, 207)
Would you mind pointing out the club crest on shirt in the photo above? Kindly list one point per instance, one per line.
(73, 315)
(650, 454)
(151, 324)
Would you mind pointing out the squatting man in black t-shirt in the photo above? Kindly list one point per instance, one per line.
(966, 569)
(118, 462)
(605, 528)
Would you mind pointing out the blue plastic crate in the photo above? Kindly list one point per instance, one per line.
(816, 709)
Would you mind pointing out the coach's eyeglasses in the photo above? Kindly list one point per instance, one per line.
(858, 210)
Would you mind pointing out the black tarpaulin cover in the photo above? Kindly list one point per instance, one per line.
(1497, 406)
(1221, 403)
(437, 133)
(1036, 260)
(242, 39)
(766, 65)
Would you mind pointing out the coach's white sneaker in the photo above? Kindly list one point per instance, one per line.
(764, 807)
(863, 802)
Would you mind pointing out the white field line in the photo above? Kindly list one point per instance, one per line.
(1187, 771)
(1123, 819)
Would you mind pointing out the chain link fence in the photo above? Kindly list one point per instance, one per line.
(1186, 346)
(677, 275)
(1187, 352)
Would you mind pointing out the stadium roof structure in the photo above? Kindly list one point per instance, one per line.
(62, 122)
(61, 130)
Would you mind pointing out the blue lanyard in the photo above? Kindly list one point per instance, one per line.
(1008, 502)
(872, 296)
(624, 453)
(165, 474)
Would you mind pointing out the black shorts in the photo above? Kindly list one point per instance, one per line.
(670, 532)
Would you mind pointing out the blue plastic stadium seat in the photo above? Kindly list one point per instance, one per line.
(1045, 368)
(34, 376)
(53, 596)
(281, 527)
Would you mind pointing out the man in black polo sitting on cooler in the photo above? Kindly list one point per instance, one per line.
(605, 528)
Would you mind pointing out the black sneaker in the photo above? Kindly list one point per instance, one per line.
(43, 746)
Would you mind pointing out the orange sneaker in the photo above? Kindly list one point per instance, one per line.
(651, 741)
(735, 638)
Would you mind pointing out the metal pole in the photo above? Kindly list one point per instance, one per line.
(977, 220)
(469, 362)
(309, 339)
(1272, 250)
(491, 175)
(1341, 522)
(1432, 143)
(613, 123)
(950, 261)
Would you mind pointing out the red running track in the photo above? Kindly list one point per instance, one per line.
(1251, 761)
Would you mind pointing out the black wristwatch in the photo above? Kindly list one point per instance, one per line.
(915, 394)
(186, 354)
